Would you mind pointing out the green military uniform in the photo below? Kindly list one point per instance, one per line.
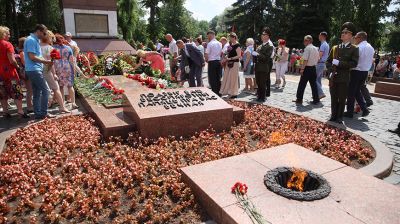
(348, 58)
(263, 69)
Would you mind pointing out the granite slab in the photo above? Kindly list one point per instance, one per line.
(355, 197)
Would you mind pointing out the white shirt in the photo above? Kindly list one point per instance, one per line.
(225, 48)
(159, 46)
(273, 50)
(213, 50)
(311, 54)
(366, 56)
(73, 43)
(173, 48)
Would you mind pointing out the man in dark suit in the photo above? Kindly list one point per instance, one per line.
(193, 59)
(263, 66)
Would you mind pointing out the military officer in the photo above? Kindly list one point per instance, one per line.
(342, 59)
(263, 66)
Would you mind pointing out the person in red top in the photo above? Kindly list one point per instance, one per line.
(154, 58)
(10, 84)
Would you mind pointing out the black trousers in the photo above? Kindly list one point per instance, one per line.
(365, 93)
(309, 75)
(263, 81)
(357, 79)
(268, 88)
(214, 75)
(338, 98)
(195, 75)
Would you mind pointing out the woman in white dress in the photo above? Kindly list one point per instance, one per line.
(281, 63)
(230, 84)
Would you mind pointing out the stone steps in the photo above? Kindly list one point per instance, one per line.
(387, 90)
(385, 96)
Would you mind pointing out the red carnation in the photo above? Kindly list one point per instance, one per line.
(239, 187)
(55, 54)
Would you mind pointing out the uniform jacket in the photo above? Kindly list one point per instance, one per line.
(348, 59)
(263, 58)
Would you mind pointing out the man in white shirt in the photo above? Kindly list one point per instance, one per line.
(173, 51)
(213, 57)
(159, 46)
(308, 71)
(359, 75)
(68, 37)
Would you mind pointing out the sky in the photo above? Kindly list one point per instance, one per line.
(207, 9)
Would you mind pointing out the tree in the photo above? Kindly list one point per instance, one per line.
(153, 6)
(368, 18)
(128, 17)
(248, 17)
(310, 17)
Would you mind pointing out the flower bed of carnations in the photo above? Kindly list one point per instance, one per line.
(60, 171)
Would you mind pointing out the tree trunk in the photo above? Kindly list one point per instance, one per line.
(9, 14)
(41, 11)
(15, 21)
(152, 23)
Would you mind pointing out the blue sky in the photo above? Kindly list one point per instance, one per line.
(207, 9)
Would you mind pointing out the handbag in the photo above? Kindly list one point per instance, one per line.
(230, 64)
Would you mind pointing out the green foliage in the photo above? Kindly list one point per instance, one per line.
(293, 19)
(22, 15)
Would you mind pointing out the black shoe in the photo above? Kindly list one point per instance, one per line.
(395, 131)
(370, 104)
(297, 101)
(332, 119)
(365, 113)
(29, 111)
(24, 115)
(339, 121)
(7, 115)
(315, 102)
(260, 100)
(348, 114)
(267, 95)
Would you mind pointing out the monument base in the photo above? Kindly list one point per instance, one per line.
(173, 112)
(179, 112)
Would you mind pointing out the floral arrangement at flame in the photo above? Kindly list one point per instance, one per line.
(240, 191)
(151, 78)
(100, 89)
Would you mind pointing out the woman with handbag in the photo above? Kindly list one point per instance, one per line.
(248, 67)
(10, 83)
(230, 84)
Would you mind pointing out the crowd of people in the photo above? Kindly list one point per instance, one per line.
(39, 69)
(347, 66)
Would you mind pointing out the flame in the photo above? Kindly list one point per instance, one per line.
(277, 138)
(296, 181)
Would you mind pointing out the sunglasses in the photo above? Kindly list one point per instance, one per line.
(346, 32)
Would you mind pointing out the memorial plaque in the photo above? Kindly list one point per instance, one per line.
(177, 112)
(91, 23)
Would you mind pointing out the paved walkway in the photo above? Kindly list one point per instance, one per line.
(385, 114)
